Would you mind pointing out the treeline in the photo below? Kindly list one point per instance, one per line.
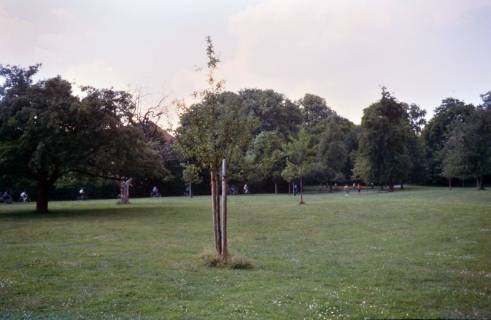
(307, 141)
(51, 139)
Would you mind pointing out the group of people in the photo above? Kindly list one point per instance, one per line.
(356, 186)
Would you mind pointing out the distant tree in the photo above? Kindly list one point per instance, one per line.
(467, 151)
(300, 155)
(289, 174)
(46, 132)
(417, 118)
(211, 131)
(266, 157)
(486, 98)
(383, 148)
(314, 109)
(332, 153)
(447, 115)
(273, 111)
(454, 156)
(416, 146)
(190, 175)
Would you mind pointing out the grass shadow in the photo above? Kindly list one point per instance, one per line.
(93, 212)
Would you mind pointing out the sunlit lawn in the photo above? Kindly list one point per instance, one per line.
(419, 253)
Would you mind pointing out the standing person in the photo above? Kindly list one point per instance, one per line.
(246, 189)
(358, 187)
(81, 194)
(346, 190)
(295, 189)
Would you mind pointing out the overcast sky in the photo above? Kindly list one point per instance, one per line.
(342, 50)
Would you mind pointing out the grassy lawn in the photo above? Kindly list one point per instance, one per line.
(420, 253)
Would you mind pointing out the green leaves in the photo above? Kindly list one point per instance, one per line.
(47, 132)
(300, 154)
(383, 154)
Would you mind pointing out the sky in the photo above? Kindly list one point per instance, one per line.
(342, 50)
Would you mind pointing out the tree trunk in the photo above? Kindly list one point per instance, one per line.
(330, 187)
(402, 185)
(124, 190)
(391, 186)
(381, 187)
(275, 188)
(301, 191)
(224, 211)
(480, 184)
(42, 198)
(289, 187)
(190, 190)
(216, 211)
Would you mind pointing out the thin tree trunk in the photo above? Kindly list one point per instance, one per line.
(381, 187)
(190, 190)
(480, 185)
(330, 187)
(42, 198)
(214, 205)
(301, 191)
(275, 188)
(289, 187)
(224, 211)
(219, 222)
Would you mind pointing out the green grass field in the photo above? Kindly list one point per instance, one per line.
(419, 253)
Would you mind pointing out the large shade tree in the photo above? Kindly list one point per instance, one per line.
(265, 158)
(435, 134)
(467, 152)
(273, 111)
(46, 132)
(332, 152)
(383, 155)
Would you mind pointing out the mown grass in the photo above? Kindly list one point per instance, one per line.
(420, 253)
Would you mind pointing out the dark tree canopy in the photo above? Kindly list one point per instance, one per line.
(467, 151)
(47, 132)
(273, 111)
(314, 109)
(383, 155)
(447, 115)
